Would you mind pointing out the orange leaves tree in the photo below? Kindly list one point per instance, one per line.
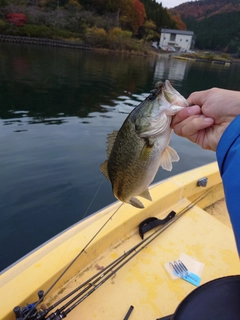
(130, 14)
(139, 15)
(133, 18)
(180, 25)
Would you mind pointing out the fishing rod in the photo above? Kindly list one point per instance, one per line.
(109, 271)
(129, 255)
(87, 284)
(43, 295)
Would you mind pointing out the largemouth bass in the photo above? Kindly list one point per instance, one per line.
(140, 147)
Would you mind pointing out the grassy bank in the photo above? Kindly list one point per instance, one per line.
(116, 39)
(206, 56)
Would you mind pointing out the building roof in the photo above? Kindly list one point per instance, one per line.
(189, 33)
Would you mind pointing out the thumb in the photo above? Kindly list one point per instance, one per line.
(192, 125)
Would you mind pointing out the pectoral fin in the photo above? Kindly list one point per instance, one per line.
(136, 203)
(168, 156)
(146, 150)
(145, 194)
(104, 169)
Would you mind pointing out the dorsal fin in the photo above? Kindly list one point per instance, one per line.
(104, 169)
(110, 141)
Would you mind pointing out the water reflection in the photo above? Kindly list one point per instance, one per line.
(172, 69)
(72, 83)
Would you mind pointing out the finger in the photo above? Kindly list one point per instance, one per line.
(197, 98)
(192, 125)
(184, 114)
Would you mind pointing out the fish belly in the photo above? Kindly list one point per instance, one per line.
(129, 172)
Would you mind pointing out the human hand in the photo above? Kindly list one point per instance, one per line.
(211, 112)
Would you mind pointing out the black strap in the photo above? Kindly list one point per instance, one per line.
(152, 222)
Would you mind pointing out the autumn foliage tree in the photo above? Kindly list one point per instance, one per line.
(180, 25)
(17, 19)
(140, 13)
(133, 18)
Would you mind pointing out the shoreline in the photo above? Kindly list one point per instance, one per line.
(212, 61)
(80, 46)
(69, 44)
(43, 41)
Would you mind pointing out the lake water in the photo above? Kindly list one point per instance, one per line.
(57, 107)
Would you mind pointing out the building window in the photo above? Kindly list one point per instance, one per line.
(180, 39)
(186, 40)
(172, 37)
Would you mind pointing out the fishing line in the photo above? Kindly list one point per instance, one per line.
(117, 264)
(78, 255)
(94, 197)
(114, 266)
(83, 250)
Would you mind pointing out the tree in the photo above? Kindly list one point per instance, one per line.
(158, 15)
(149, 31)
(180, 25)
(136, 16)
(18, 19)
(211, 37)
(140, 12)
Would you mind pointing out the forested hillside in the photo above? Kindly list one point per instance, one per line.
(216, 24)
(203, 9)
(125, 24)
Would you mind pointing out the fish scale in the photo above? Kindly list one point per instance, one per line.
(136, 151)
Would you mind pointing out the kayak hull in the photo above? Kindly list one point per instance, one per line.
(143, 281)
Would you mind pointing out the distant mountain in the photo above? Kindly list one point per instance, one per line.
(216, 23)
(203, 9)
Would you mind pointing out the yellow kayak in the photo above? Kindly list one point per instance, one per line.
(114, 273)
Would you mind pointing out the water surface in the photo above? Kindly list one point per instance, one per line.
(57, 107)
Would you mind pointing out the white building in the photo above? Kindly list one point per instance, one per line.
(180, 40)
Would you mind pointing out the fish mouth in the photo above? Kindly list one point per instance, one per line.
(163, 88)
(173, 96)
(156, 91)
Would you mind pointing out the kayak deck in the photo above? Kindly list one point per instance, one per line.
(143, 281)
(219, 211)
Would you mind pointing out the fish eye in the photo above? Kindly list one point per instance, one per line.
(152, 95)
(137, 127)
